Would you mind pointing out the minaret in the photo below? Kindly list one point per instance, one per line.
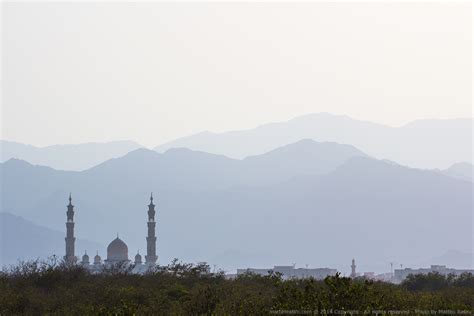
(151, 257)
(70, 239)
(353, 269)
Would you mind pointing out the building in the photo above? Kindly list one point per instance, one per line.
(117, 250)
(289, 272)
(402, 274)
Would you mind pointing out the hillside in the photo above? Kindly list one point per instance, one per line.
(22, 239)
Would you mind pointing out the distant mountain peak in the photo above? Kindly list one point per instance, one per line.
(309, 146)
(140, 156)
(16, 161)
(144, 152)
(67, 157)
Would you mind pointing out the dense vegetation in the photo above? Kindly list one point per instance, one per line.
(187, 289)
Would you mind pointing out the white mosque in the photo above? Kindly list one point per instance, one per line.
(117, 251)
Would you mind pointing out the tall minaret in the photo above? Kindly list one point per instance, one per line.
(70, 239)
(150, 257)
(353, 269)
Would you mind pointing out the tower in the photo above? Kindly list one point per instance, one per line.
(150, 257)
(353, 269)
(70, 239)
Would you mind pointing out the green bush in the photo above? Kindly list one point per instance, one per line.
(53, 287)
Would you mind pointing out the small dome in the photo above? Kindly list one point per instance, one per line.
(97, 259)
(117, 250)
(138, 258)
(85, 258)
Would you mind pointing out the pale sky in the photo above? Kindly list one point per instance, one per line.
(153, 72)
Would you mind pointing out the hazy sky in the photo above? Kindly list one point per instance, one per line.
(152, 72)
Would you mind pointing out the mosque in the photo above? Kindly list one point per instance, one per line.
(117, 251)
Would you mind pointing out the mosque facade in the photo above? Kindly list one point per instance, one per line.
(117, 250)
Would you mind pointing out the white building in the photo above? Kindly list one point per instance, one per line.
(289, 272)
(402, 274)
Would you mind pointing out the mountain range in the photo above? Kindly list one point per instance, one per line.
(431, 144)
(309, 202)
(66, 157)
(421, 144)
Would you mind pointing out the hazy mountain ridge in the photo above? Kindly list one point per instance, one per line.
(22, 239)
(178, 164)
(66, 157)
(421, 144)
(460, 170)
(210, 198)
(175, 170)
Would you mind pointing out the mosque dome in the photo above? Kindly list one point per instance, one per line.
(117, 251)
